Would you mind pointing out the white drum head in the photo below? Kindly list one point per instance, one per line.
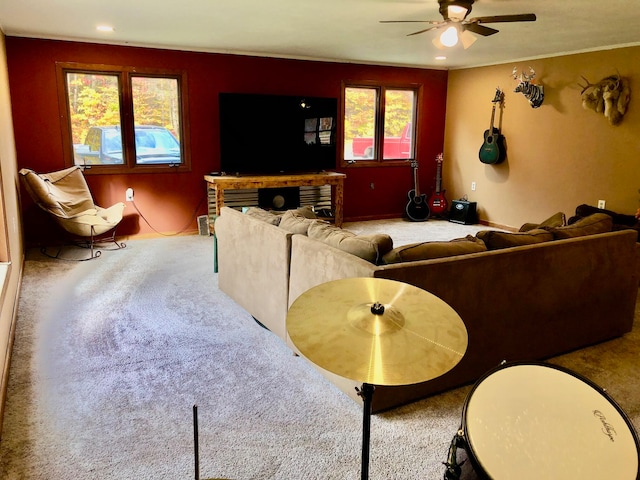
(536, 421)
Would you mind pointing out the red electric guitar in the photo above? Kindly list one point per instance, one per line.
(437, 202)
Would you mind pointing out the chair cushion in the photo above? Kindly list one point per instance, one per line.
(64, 193)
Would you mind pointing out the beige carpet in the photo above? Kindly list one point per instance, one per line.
(111, 355)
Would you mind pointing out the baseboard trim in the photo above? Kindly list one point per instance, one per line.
(6, 290)
(145, 236)
(497, 225)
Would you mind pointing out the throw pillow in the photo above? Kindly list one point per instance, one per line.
(263, 215)
(557, 220)
(295, 222)
(495, 240)
(591, 225)
(367, 247)
(430, 250)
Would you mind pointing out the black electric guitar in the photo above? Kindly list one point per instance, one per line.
(437, 202)
(417, 208)
(492, 150)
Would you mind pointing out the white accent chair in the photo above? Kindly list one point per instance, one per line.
(66, 197)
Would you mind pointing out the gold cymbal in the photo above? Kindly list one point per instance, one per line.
(377, 331)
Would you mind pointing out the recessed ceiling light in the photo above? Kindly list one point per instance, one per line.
(104, 28)
(441, 57)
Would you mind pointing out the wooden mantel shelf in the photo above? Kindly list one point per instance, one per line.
(229, 182)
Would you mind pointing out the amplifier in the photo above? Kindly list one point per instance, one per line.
(463, 212)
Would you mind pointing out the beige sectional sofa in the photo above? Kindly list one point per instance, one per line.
(523, 296)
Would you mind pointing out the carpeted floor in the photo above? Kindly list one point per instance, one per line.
(110, 356)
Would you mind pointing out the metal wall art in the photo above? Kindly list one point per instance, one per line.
(532, 92)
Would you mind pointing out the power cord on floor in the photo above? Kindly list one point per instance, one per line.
(195, 212)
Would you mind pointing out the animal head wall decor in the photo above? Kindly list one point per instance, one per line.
(532, 92)
(610, 96)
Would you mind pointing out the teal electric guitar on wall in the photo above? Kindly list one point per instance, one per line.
(492, 150)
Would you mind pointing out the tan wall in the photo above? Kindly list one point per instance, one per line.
(11, 244)
(559, 155)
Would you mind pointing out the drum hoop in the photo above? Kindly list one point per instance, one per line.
(469, 448)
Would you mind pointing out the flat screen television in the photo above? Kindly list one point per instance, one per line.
(273, 134)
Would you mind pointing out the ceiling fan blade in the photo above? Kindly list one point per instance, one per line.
(422, 31)
(480, 29)
(524, 17)
(432, 22)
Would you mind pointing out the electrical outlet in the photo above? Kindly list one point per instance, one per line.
(601, 203)
(129, 195)
(473, 186)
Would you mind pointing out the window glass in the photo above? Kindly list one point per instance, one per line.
(156, 113)
(121, 119)
(398, 124)
(360, 107)
(379, 124)
(94, 111)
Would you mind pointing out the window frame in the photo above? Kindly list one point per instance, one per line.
(125, 94)
(380, 108)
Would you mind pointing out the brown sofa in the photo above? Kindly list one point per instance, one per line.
(527, 302)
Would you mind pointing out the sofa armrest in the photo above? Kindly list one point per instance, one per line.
(253, 266)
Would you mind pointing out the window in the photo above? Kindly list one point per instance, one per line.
(123, 119)
(379, 124)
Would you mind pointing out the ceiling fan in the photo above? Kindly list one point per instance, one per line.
(454, 14)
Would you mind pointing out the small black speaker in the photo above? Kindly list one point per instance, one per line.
(283, 198)
(463, 212)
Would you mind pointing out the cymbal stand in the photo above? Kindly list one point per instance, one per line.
(366, 392)
(195, 442)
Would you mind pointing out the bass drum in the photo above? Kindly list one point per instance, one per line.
(535, 421)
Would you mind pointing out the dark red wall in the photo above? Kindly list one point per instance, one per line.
(168, 200)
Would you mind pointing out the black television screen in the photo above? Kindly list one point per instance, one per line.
(271, 134)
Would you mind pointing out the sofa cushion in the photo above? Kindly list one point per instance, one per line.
(583, 211)
(596, 223)
(495, 240)
(367, 247)
(306, 211)
(295, 222)
(557, 220)
(428, 250)
(263, 215)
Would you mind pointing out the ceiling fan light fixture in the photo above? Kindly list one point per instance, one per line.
(467, 39)
(449, 38)
(456, 13)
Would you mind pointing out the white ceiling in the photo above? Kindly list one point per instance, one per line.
(339, 30)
